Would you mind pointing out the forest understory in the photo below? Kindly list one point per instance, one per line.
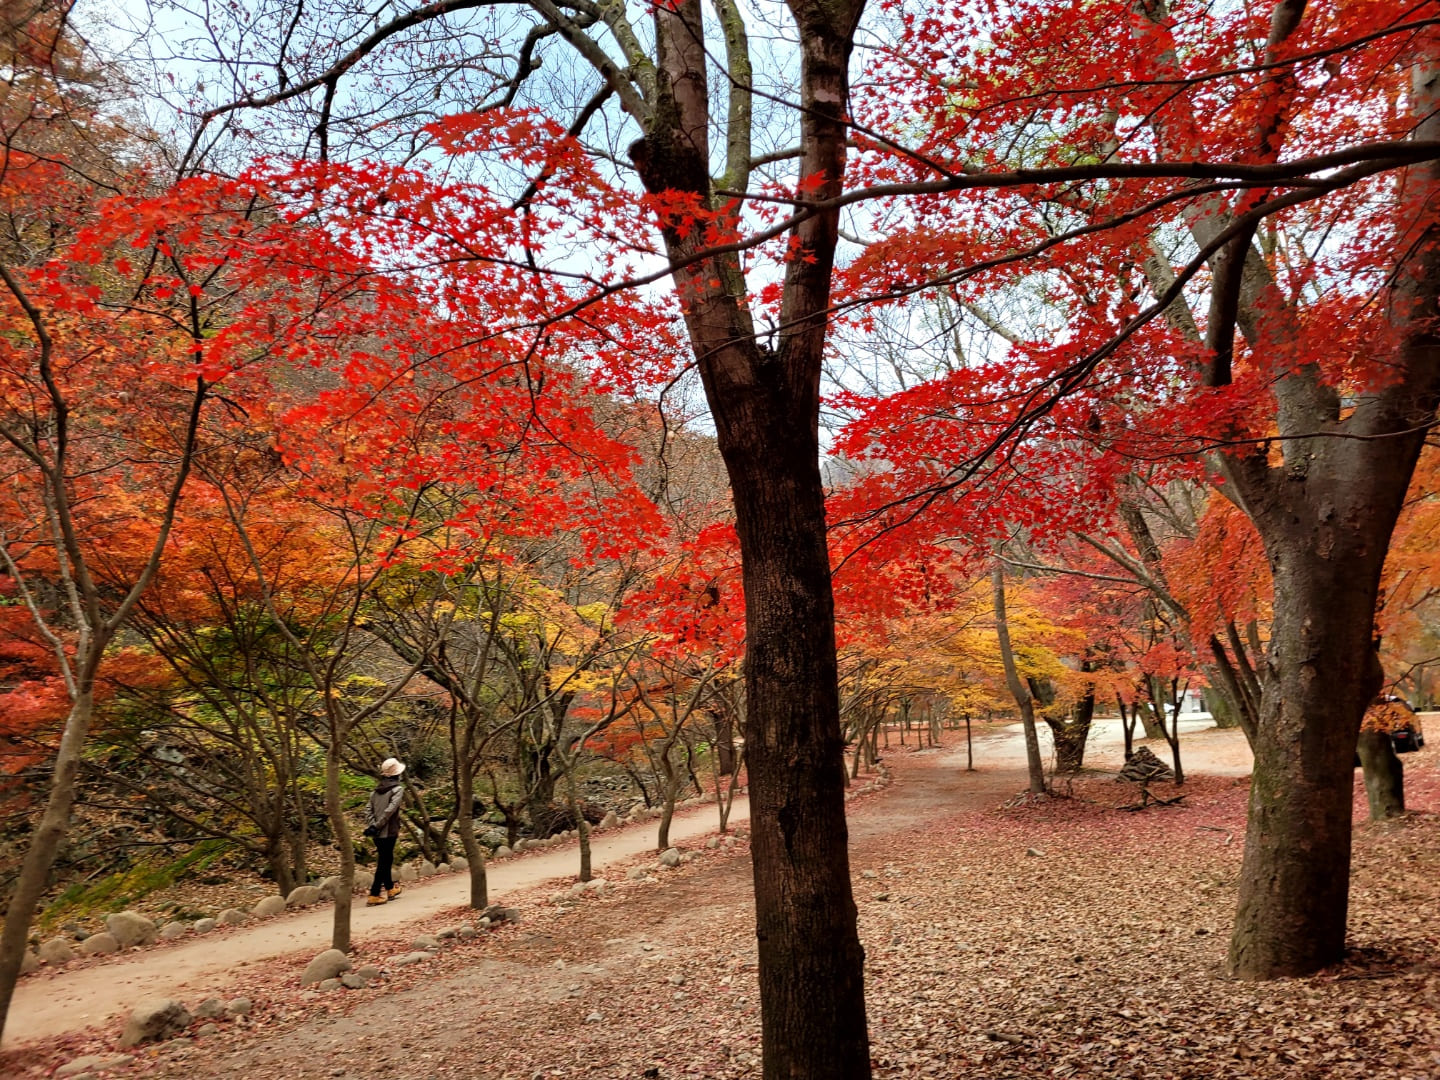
(1004, 938)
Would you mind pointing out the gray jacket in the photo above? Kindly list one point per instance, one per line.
(384, 809)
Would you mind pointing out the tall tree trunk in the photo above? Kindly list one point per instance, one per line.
(1127, 726)
(1325, 515)
(1018, 690)
(474, 854)
(1384, 775)
(669, 792)
(969, 745)
(1172, 731)
(340, 927)
(1321, 673)
(44, 847)
(724, 738)
(765, 400)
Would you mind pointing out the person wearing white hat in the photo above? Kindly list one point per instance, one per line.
(384, 826)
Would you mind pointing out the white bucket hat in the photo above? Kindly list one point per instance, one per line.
(391, 767)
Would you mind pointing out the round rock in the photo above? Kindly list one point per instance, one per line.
(271, 905)
(210, 1009)
(154, 1019)
(232, 917)
(328, 965)
(130, 928)
(99, 945)
(204, 926)
(304, 896)
(56, 951)
(172, 930)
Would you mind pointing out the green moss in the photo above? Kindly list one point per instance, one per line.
(119, 891)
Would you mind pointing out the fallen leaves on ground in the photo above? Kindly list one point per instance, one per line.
(1100, 955)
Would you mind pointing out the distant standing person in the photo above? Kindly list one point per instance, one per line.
(384, 826)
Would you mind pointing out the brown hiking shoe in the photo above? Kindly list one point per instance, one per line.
(374, 900)
(396, 891)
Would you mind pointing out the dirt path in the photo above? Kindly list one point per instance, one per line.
(610, 988)
(79, 997)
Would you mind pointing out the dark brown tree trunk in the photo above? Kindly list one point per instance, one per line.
(765, 400)
(1325, 515)
(277, 858)
(1072, 733)
(1384, 775)
(724, 738)
(1320, 675)
(969, 746)
(474, 855)
(1127, 726)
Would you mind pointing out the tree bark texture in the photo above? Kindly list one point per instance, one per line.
(474, 855)
(1384, 775)
(765, 400)
(1325, 514)
(340, 925)
(1071, 734)
(44, 845)
(1018, 690)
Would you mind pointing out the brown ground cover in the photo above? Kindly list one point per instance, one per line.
(1099, 955)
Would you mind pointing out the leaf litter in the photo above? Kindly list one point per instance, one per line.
(1099, 954)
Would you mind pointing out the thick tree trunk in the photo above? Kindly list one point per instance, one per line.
(1325, 514)
(811, 960)
(765, 400)
(1018, 690)
(277, 857)
(1318, 678)
(1384, 775)
(1152, 727)
(1071, 735)
(44, 847)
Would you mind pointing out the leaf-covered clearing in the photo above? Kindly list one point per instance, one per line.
(1101, 956)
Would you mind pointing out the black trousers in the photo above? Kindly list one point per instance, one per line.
(384, 863)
